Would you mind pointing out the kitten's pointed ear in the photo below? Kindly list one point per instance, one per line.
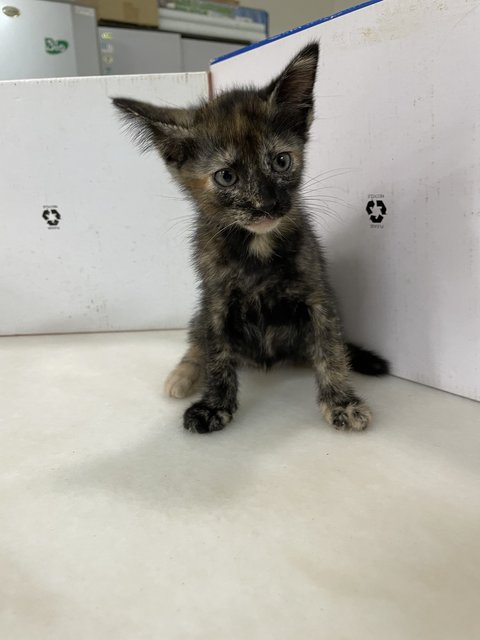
(292, 90)
(165, 129)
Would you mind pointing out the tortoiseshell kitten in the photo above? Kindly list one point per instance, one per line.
(265, 296)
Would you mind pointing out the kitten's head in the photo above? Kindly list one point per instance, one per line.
(240, 155)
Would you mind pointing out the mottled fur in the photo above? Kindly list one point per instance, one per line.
(265, 296)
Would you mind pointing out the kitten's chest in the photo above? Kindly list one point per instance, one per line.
(266, 325)
(266, 295)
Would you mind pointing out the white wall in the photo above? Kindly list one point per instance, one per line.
(286, 14)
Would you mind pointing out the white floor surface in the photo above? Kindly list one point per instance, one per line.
(116, 524)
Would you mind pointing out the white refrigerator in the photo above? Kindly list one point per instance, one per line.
(45, 39)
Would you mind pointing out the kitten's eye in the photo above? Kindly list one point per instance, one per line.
(282, 162)
(225, 177)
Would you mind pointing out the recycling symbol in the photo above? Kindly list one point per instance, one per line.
(377, 210)
(51, 217)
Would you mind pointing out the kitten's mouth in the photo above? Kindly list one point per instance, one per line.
(263, 225)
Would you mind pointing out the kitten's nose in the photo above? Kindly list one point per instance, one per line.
(266, 202)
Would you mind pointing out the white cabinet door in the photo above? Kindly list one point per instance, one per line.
(132, 51)
(197, 54)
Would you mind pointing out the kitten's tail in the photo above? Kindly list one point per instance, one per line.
(367, 362)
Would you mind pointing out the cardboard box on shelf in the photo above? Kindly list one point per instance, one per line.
(206, 7)
(213, 20)
(141, 12)
(394, 170)
(172, 4)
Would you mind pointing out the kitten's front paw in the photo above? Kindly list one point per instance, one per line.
(201, 418)
(182, 380)
(354, 415)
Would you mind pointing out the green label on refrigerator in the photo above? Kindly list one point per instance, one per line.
(55, 46)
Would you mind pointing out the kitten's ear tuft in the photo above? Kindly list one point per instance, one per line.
(165, 129)
(292, 90)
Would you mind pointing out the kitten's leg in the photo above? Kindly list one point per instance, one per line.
(340, 405)
(183, 380)
(219, 401)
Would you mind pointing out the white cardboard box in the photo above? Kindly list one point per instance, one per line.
(118, 259)
(398, 121)
(398, 102)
